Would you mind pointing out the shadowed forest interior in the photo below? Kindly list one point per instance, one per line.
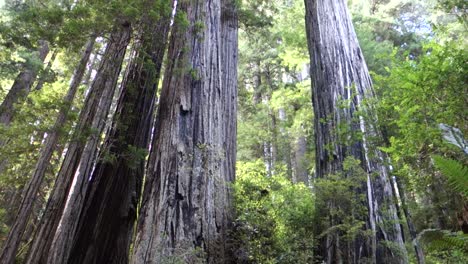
(233, 131)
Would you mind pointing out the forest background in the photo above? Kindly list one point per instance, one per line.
(416, 52)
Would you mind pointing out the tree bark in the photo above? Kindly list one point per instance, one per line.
(106, 82)
(340, 75)
(106, 223)
(186, 204)
(50, 143)
(229, 61)
(55, 232)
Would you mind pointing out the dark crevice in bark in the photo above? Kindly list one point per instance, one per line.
(186, 201)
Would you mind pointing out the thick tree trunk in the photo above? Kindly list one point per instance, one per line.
(21, 87)
(186, 204)
(106, 224)
(229, 59)
(50, 143)
(55, 232)
(340, 75)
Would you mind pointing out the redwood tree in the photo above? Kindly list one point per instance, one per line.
(51, 243)
(50, 144)
(106, 223)
(344, 128)
(185, 210)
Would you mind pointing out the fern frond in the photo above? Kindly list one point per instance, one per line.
(456, 173)
(436, 239)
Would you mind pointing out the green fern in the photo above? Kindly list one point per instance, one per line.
(440, 240)
(456, 173)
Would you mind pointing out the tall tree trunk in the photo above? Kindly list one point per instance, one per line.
(229, 59)
(18, 92)
(409, 221)
(106, 224)
(339, 75)
(22, 86)
(301, 174)
(32, 188)
(106, 82)
(186, 204)
(50, 143)
(52, 231)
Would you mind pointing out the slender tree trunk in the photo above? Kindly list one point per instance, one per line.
(52, 231)
(21, 87)
(301, 174)
(340, 74)
(18, 92)
(32, 188)
(409, 221)
(186, 204)
(51, 141)
(107, 222)
(106, 82)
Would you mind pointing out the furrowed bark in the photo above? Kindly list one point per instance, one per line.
(50, 143)
(105, 83)
(186, 205)
(229, 61)
(107, 221)
(340, 75)
(51, 229)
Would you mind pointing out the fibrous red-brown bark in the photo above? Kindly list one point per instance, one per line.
(186, 203)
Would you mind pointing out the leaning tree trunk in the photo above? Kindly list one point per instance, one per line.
(340, 76)
(106, 223)
(105, 81)
(50, 143)
(18, 92)
(54, 232)
(22, 86)
(409, 221)
(186, 205)
(32, 188)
